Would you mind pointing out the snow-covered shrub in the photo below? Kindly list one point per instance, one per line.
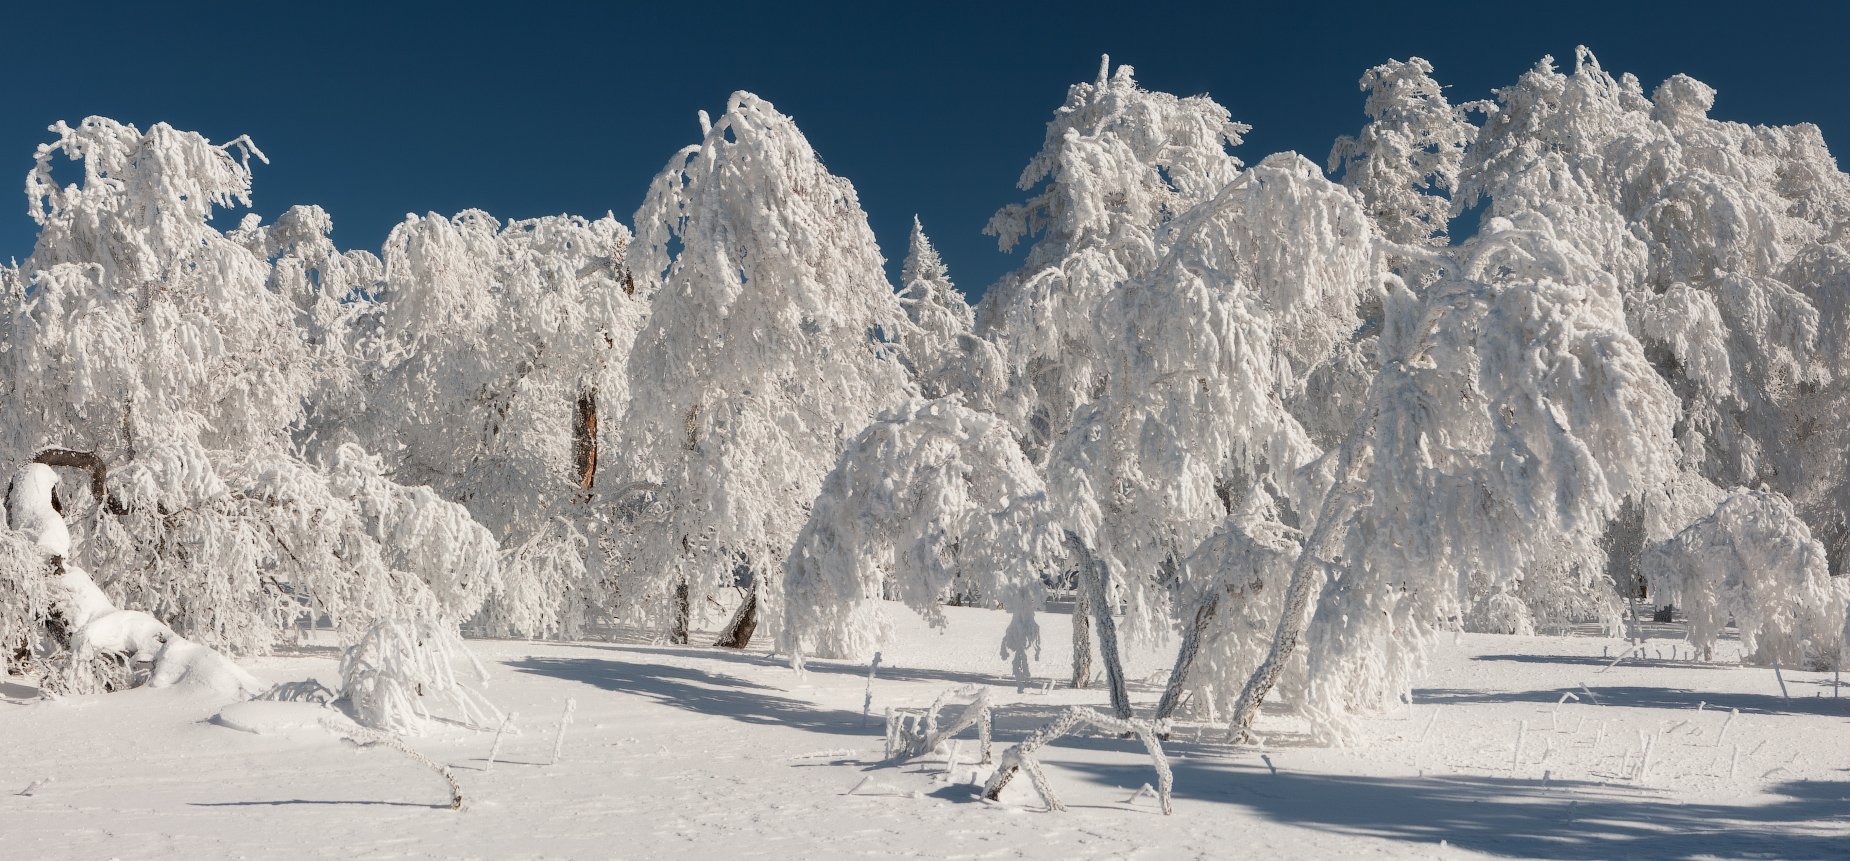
(401, 677)
(1754, 562)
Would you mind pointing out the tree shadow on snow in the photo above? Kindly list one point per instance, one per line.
(695, 690)
(887, 672)
(1645, 697)
(1602, 662)
(287, 801)
(1518, 818)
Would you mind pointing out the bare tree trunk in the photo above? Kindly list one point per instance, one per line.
(1185, 656)
(1082, 634)
(584, 443)
(1292, 620)
(678, 634)
(739, 631)
(1093, 579)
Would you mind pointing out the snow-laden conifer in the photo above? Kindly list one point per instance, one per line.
(941, 347)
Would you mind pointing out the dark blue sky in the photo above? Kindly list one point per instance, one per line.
(525, 109)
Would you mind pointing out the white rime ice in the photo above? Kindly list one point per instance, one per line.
(768, 348)
(1753, 561)
(144, 335)
(1496, 370)
(931, 497)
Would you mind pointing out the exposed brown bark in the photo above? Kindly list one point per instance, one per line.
(89, 462)
(584, 442)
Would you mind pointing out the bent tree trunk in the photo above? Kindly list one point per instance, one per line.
(1185, 656)
(738, 632)
(89, 462)
(1093, 578)
(1082, 634)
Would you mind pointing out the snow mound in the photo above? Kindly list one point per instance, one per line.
(265, 717)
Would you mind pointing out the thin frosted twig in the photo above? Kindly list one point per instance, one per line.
(494, 750)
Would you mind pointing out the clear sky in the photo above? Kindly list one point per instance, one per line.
(379, 109)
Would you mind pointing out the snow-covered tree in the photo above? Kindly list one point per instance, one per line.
(941, 347)
(1118, 163)
(931, 497)
(496, 357)
(1512, 417)
(1203, 360)
(766, 351)
(1752, 561)
(1721, 237)
(1405, 161)
(143, 335)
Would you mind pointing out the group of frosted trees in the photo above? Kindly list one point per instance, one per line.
(1510, 364)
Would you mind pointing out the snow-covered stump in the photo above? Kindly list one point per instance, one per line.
(911, 734)
(1021, 756)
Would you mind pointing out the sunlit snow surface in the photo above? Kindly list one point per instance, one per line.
(674, 751)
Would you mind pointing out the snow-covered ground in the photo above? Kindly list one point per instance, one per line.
(695, 752)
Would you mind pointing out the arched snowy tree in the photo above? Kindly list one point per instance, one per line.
(765, 353)
(147, 337)
(1118, 164)
(1204, 359)
(931, 497)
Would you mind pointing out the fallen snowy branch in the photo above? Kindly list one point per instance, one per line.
(362, 736)
(1021, 756)
(911, 734)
